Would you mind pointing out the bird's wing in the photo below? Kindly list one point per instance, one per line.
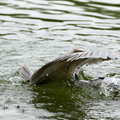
(68, 64)
(105, 55)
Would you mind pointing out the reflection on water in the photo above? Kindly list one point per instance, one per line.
(63, 98)
(60, 102)
(35, 32)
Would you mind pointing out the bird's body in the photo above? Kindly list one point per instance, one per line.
(68, 64)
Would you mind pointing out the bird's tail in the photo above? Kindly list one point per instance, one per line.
(26, 73)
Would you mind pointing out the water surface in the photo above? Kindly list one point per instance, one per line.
(37, 31)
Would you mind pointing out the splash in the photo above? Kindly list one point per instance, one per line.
(110, 85)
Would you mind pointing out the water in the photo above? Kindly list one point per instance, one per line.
(37, 31)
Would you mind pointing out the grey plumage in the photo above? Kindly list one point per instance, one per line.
(65, 65)
(26, 73)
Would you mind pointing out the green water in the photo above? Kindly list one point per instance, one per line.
(37, 31)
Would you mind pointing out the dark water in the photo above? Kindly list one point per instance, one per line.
(37, 31)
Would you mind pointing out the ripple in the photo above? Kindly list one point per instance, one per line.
(36, 32)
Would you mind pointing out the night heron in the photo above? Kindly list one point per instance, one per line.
(68, 64)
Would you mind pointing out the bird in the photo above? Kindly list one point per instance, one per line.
(68, 64)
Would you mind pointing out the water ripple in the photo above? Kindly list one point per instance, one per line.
(38, 31)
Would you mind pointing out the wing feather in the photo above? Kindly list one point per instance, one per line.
(96, 54)
(92, 54)
(76, 56)
(68, 64)
(111, 55)
(81, 56)
(116, 55)
(104, 55)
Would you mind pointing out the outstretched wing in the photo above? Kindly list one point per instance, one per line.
(105, 55)
(68, 64)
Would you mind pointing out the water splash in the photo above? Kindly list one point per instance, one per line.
(110, 85)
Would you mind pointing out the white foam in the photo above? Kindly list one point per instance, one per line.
(110, 84)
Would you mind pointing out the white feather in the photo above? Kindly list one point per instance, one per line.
(96, 54)
(110, 55)
(116, 55)
(103, 55)
(25, 72)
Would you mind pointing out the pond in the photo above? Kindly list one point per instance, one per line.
(36, 32)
